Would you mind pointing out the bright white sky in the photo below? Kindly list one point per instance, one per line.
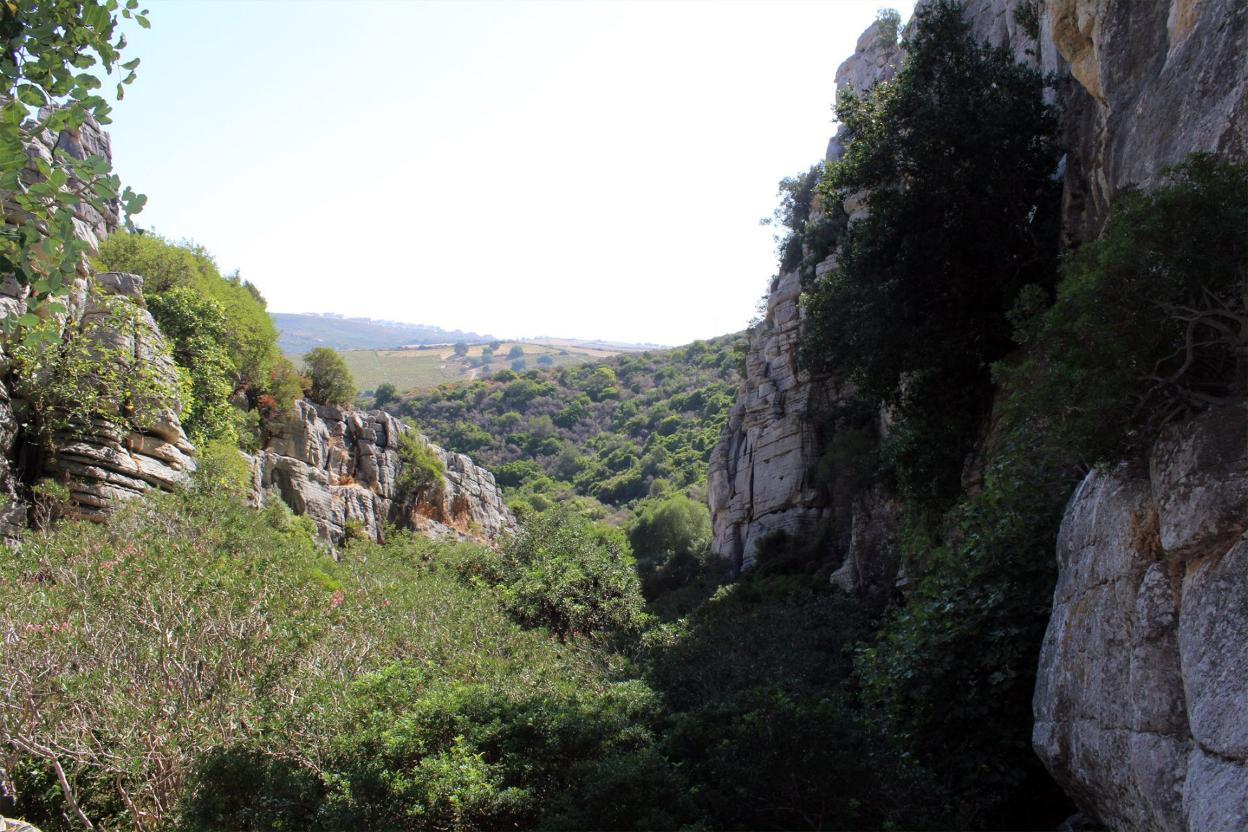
(577, 169)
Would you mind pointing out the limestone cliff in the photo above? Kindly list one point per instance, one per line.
(1143, 683)
(764, 472)
(1140, 697)
(338, 465)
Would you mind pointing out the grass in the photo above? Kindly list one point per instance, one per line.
(420, 368)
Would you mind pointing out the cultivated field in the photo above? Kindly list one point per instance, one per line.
(424, 367)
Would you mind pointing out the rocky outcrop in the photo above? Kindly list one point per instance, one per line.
(1142, 688)
(338, 465)
(1162, 80)
(761, 478)
(764, 476)
(115, 459)
(90, 226)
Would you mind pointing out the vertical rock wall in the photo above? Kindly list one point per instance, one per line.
(764, 472)
(1141, 701)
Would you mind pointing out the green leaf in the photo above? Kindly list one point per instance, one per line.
(32, 95)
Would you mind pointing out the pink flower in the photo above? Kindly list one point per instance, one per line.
(336, 599)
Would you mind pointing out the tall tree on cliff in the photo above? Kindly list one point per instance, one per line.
(956, 156)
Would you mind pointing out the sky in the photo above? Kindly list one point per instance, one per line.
(577, 169)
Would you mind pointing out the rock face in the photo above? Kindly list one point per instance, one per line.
(112, 461)
(338, 465)
(762, 472)
(1141, 698)
(1160, 80)
(764, 476)
(89, 226)
(1143, 685)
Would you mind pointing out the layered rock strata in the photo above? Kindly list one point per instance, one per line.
(1142, 690)
(338, 465)
(90, 226)
(764, 476)
(109, 461)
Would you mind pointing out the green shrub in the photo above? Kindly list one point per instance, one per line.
(197, 328)
(421, 474)
(1149, 322)
(329, 379)
(250, 339)
(557, 573)
(87, 375)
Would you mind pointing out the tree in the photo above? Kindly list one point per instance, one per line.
(956, 156)
(461, 349)
(516, 351)
(46, 50)
(250, 337)
(328, 376)
(196, 327)
(385, 394)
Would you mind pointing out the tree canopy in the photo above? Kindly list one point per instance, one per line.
(329, 379)
(956, 157)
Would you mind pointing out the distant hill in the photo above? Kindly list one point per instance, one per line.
(298, 333)
(423, 367)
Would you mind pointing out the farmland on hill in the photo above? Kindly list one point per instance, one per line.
(423, 367)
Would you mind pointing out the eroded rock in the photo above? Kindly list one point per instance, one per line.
(338, 465)
(1142, 689)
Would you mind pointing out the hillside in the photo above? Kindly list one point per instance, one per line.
(298, 333)
(955, 536)
(417, 368)
(614, 431)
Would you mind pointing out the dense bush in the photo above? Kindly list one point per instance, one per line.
(1149, 321)
(86, 375)
(329, 379)
(250, 337)
(199, 663)
(196, 327)
(562, 573)
(421, 475)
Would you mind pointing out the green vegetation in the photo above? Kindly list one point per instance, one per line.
(199, 663)
(938, 319)
(603, 436)
(422, 469)
(915, 313)
(329, 380)
(89, 373)
(221, 335)
(49, 51)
